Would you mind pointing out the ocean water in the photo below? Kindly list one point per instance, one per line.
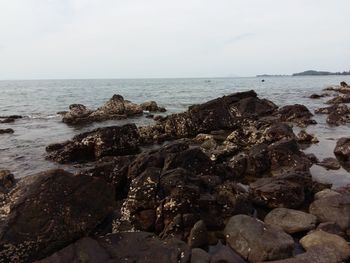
(39, 100)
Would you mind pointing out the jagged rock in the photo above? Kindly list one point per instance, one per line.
(339, 99)
(48, 211)
(255, 241)
(330, 163)
(321, 238)
(3, 131)
(342, 149)
(332, 207)
(297, 114)
(291, 221)
(281, 191)
(340, 109)
(318, 96)
(138, 247)
(306, 138)
(152, 106)
(89, 146)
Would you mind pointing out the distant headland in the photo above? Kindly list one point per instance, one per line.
(309, 73)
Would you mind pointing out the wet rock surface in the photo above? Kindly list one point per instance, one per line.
(8, 130)
(48, 211)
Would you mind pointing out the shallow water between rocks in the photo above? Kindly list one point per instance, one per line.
(39, 100)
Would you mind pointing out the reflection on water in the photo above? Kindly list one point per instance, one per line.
(23, 152)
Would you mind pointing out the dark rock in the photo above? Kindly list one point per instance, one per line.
(333, 207)
(321, 238)
(77, 113)
(255, 241)
(339, 99)
(312, 158)
(297, 114)
(291, 221)
(306, 138)
(344, 84)
(332, 228)
(342, 149)
(7, 120)
(89, 146)
(11, 117)
(138, 247)
(198, 255)
(199, 235)
(48, 211)
(340, 109)
(330, 163)
(152, 107)
(225, 254)
(3, 131)
(318, 96)
(281, 191)
(7, 181)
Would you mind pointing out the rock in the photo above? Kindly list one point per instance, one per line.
(89, 146)
(342, 149)
(11, 117)
(7, 181)
(340, 109)
(3, 131)
(332, 228)
(199, 256)
(199, 235)
(48, 211)
(114, 108)
(344, 84)
(306, 138)
(280, 191)
(152, 107)
(291, 221)
(297, 114)
(224, 254)
(325, 193)
(339, 99)
(333, 207)
(320, 238)
(255, 241)
(7, 120)
(316, 96)
(330, 163)
(315, 254)
(138, 247)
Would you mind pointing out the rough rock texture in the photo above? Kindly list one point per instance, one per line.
(281, 191)
(255, 241)
(175, 186)
(7, 181)
(137, 247)
(306, 138)
(342, 149)
(297, 114)
(333, 207)
(48, 211)
(291, 221)
(115, 108)
(339, 99)
(321, 238)
(89, 146)
(3, 131)
(330, 163)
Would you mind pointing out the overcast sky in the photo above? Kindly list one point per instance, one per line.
(42, 39)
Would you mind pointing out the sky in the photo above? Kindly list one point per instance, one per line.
(64, 39)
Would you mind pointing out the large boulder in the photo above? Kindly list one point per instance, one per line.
(342, 149)
(281, 191)
(255, 241)
(291, 221)
(89, 146)
(48, 211)
(333, 207)
(77, 113)
(297, 113)
(137, 247)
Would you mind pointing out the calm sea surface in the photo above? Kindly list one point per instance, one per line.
(38, 100)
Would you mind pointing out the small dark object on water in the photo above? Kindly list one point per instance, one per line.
(11, 117)
(262, 80)
(2, 131)
(8, 120)
(344, 84)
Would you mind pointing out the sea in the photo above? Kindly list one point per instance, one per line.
(23, 152)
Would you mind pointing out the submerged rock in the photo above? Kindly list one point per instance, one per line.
(152, 106)
(330, 163)
(342, 149)
(255, 241)
(291, 221)
(7, 181)
(90, 146)
(138, 247)
(48, 211)
(3, 131)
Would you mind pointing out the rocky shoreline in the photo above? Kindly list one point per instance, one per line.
(224, 181)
